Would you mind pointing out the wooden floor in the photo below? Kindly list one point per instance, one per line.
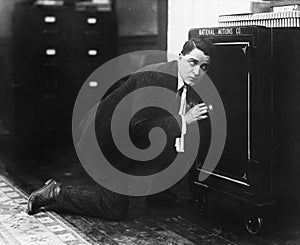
(147, 223)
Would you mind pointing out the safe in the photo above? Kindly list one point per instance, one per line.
(256, 73)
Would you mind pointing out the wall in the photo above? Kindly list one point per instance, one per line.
(142, 25)
(187, 14)
(6, 102)
(6, 7)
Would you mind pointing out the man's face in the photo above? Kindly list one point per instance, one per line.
(193, 66)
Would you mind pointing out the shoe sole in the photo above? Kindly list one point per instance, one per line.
(29, 204)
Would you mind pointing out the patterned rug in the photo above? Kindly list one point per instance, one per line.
(18, 228)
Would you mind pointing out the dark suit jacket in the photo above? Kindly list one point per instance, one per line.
(158, 75)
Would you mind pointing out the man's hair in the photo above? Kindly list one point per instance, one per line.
(202, 43)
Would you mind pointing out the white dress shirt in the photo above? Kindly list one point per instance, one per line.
(179, 143)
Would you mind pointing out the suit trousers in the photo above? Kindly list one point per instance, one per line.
(93, 200)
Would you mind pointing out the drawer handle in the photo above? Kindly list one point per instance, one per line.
(91, 21)
(50, 19)
(51, 52)
(93, 84)
(92, 52)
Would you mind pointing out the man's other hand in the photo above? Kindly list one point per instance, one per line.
(198, 112)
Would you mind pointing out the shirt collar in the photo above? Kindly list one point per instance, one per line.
(180, 83)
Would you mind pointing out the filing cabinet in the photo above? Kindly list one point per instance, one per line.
(55, 48)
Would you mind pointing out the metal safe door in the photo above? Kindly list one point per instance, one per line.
(232, 80)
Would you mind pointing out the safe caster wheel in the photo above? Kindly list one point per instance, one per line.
(200, 197)
(254, 225)
(201, 203)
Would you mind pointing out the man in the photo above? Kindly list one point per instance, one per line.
(194, 61)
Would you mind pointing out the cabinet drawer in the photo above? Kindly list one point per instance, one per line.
(50, 19)
(93, 54)
(93, 22)
(49, 54)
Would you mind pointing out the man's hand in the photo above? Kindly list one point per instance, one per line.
(198, 112)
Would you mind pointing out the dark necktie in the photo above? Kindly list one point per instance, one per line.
(182, 108)
(179, 142)
(179, 91)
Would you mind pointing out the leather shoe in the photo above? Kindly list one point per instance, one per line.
(43, 196)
